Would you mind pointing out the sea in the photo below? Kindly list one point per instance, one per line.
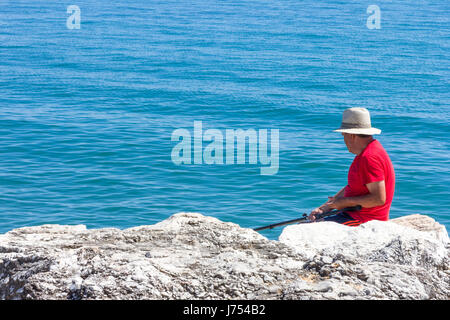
(93, 92)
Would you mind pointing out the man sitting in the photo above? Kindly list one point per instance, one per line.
(371, 177)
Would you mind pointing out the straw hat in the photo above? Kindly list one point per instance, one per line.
(357, 121)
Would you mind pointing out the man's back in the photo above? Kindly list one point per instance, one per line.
(371, 165)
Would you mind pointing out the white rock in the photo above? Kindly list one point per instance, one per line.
(190, 256)
(374, 240)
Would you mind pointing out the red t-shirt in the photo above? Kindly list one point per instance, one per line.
(371, 165)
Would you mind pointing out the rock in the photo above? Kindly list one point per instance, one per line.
(190, 256)
(424, 223)
(398, 259)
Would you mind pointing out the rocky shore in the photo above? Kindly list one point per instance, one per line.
(191, 256)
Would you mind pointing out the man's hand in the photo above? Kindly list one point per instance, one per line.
(314, 213)
(336, 203)
(322, 209)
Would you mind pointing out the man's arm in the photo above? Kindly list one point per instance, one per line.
(340, 193)
(325, 207)
(375, 197)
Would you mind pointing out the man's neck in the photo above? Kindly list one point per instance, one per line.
(364, 145)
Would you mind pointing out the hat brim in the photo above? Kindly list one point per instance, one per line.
(368, 131)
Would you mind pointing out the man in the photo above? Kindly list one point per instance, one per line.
(371, 177)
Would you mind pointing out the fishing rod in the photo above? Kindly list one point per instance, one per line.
(305, 219)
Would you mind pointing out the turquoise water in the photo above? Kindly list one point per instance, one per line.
(86, 115)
